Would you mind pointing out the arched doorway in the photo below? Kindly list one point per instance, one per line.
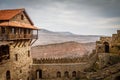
(28, 78)
(106, 47)
(74, 74)
(39, 74)
(117, 78)
(66, 74)
(58, 74)
(8, 75)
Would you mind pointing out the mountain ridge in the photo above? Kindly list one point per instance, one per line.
(50, 37)
(65, 32)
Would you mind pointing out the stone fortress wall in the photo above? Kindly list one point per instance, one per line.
(60, 60)
(53, 69)
(109, 44)
(61, 68)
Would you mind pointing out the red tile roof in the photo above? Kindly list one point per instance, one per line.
(10, 13)
(17, 24)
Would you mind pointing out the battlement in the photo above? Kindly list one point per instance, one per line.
(109, 44)
(59, 60)
(104, 38)
(114, 35)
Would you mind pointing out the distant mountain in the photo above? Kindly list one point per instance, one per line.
(50, 37)
(62, 50)
(65, 33)
(62, 44)
(44, 31)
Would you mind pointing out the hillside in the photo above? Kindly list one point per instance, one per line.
(50, 37)
(60, 50)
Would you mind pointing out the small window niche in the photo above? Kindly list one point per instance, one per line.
(20, 71)
(22, 17)
(28, 53)
(8, 76)
(16, 57)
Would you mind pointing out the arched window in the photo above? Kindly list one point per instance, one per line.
(8, 75)
(58, 74)
(74, 74)
(106, 47)
(38, 74)
(28, 53)
(16, 57)
(66, 74)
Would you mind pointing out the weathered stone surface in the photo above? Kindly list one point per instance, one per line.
(17, 66)
(112, 46)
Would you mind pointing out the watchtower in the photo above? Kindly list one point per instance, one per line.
(17, 34)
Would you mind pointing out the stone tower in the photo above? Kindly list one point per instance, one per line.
(109, 44)
(17, 34)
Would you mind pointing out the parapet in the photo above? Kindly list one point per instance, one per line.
(105, 39)
(118, 32)
(59, 60)
(114, 36)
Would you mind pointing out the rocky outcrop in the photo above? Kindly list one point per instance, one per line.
(108, 73)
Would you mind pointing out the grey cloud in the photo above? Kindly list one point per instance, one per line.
(71, 15)
(105, 8)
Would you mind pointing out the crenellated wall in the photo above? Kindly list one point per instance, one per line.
(59, 60)
(49, 71)
(105, 39)
(49, 67)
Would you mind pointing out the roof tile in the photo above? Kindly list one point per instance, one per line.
(8, 14)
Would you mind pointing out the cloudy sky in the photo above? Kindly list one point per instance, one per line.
(88, 17)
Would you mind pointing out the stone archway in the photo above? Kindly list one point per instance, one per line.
(39, 74)
(66, 74)
(106, 47)
(8, 77)
(58, 74)
(74, 74)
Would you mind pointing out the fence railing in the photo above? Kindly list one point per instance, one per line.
(17, 36)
